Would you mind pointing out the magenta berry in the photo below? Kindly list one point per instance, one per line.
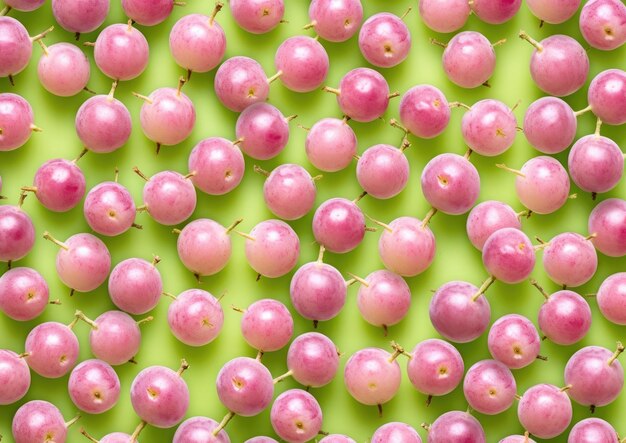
(469, 59)
(80, 16)
(550, 125)
(217, 166)
(606, 223)
(331, 145)
(16, 120)
(121, 52)
(257, 16)
(444, 15)
(514, 341)
(15, 377)
(23, 294)
(241, 82)
(302, 63)
(489, 127)
(289, 192)
(339, 225)
(385, 40)
(363, 94)
(607, 96)
(195, 317)
(262, 131)
(602, 24)
(383, 171)
(94, 387)
(508, 255)
(63, 69)
(424, 111)
(488, 217)
(407, 247)
(336, 21)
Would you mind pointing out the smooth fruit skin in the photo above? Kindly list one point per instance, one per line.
(370, 377)
(116, 339)
(570, 259)
(339, 225)
(25, 5)
(14, 376)
(514, 341)
(60, 185)
(198, 430)
(197, 43)
(263, 131)
(267, 325)
(395, 432)
(496, 12)
(86, 263)
(170, 197)
(15, 46)
(275, 249)
(517, 439)
(602, 24)
(336, 21)
(159, 396)
(364, 94)
(593, 430)
(296, 416)
(245, 386)
(444, 15)
(565, 317)
(313, 359)
(488, 217)
(16, 118)
(38, 421)
(121, 52)
(594, 381)
(560, 67)
(553, 11)
(450, 183)
(318, 291)
(456, 426)
(24, 294)
(17, 233)
(383, 171)
(195, 317)
(545, 411)
(596, 163)
(116, 437)
(545, 186)
(455, 315)
(608, 222)
(337, 438)
(170, 118)
(109, 209)
(489, 387)
(148, 12)
(385, 40)
(409, 248)
(103, 124)
(424, 111)
(257, 16)
(94, 387)
(469, 59)
(436, 367)
(489, 127)
(607, 96)
(508, 255)
(550, 125)
(611, 298)
(80, 16)
(289, 192)
(52, 349)
(135, 286)
(331, 145)
(303, 62)
(218, 166)
(204, 247)
(239, 82)
(63, 69)
(261, 439)
(385, 300)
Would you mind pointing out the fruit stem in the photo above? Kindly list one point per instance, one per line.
(468, 153)
(55, 302)
(137, 431)
(81, 155)
(246, 236)
(598, 126)
(179, 3)
(355, 279)
(274, 77)
(145, 320)
(317, 177)
(434, 41)
(459, 105)
(218, 8)
(320, 256)
(112, 91)
(156, 260)
(565, 388)
(304, 127)
(280, 378)
(89, 437)
(395, 124)
(394, 95)
(425, 426)
(140, 174)
(398, 351)
(5, 10)
(543, 291)
(42, 35)
(591, 236)
(363, 194)
(483, 288)
(379, 223)
(228, 417)
(527, 213)
(35, 128)
(331, 90)
(168, 294)
(130, 25)
(183, 367)
(542, 357)
(47, 236)
(259, 355)
(143, 97)
(176, 231)
(189, 72)
(92, 44)
(234, 225)
(406, 144)
(188, 176)
(499, 42)
(618, 351)
(79, 315)
(261, 171)
(29, 188)
(11, 81)
(402, 17)
(310, 25)
(181, 82)
(524, 36)
(72, 421)
(582, 111)
(23, 355)
(291, 117)
(514, 171)
(429, 216)
(43, 47)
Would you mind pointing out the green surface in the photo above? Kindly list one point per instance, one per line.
(456, 259)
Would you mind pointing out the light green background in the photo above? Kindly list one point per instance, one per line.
(455, 259)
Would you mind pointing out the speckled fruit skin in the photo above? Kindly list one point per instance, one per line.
(198, 430)
(383, 171)
(16, 46)
(489, 387)
(60, 185)
(82, 247)
(339, 225)
(292, 407)
(267, 325)
(94, 386)
(196, 43)
(25, 5)
(385, 40)
(570, 259)
(204, 246)
(37, 421)
(364, 95)
(544, 402)
(558, 315)
(436, 367)
(331, 145)
(244, 385)
(257, 16)
(240, 82)
(450, 183)
(385, 300)
(611, 298)
(413, 243)
(289, 192)
(148, 12)
(263, 131)
(313, 358)
(496, 12)
(195, 317)
(602, 24)
(489, 127)
(370, 377)
(275, 249)
(64, 69)
(170, 197)
(469, 59)
(458, 425)
(545, 186)
(591, 430)
(109, 209)
(218, 166)
(81, 15)
(424, 111)
(103, 124)
(170, 108)
(15, 377)
(135, 286)
(336, 21)
(396, 432)
(508, 255)
(117, 338)
(607, 94)
(17, 233)
(608, 222)
(16, 118)
(596, 163)
(488, 217)
(318, 291)
(121, 52)
(24, 294)
(303, 62)
(550, 125)
(59, 353)
(514, 340)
